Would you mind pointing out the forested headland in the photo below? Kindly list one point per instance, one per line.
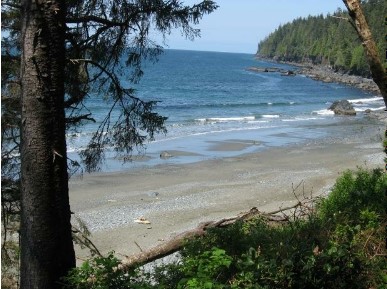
(327, 40)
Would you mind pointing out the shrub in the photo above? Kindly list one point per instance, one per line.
(355, 196)
(103, 273)
(204, 271)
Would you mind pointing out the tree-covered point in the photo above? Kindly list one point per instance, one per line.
(328, 40)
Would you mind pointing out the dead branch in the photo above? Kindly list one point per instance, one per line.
(176, 243)
(341, 18)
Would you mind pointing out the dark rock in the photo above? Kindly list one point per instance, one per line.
(270, 69)
(368, 111)
(288, 73)
(342, 107)
(165, 155)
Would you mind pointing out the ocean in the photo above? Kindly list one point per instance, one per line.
(211, 97)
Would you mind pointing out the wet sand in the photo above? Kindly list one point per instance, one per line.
(175, 198)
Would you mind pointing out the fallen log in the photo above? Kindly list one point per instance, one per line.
(176, 243)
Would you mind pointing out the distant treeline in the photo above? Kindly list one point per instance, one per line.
(329, 40)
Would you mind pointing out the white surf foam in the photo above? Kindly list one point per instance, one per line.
(226, 119)
(270, 116)
(323, 112)
(365, 100)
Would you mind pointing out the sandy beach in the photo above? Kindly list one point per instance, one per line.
(177, 197)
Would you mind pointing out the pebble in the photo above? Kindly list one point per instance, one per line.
(153, 194)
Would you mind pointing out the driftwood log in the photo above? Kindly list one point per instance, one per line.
(176, 243)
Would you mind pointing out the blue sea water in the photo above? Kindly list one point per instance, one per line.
(211, 96)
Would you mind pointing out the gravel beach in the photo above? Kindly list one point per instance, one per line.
(177, 197)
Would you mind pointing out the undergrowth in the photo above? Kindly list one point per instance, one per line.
(340, 244)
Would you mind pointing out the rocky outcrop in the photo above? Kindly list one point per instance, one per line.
(342, 107)
(284, 72)
(323, 73)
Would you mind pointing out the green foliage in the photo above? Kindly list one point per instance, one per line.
(103, 273)
(358, 60)
(329, 40)
(291, 256)
(355, 194)
(204, 271)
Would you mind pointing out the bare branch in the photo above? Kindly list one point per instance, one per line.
(345, 19)
(342, 18)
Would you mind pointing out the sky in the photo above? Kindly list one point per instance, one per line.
(238, 26)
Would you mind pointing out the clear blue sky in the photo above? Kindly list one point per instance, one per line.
(238, 26)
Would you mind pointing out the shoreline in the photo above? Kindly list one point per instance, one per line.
(177, 197)
(323, 73)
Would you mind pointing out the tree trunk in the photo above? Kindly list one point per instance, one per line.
(378, 73)
(47, 251)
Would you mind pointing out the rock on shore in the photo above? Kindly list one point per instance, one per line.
(165, 155)
(342, 107)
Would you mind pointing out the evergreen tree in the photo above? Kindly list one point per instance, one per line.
(70, 50)
(329, 40)
(47, 251)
